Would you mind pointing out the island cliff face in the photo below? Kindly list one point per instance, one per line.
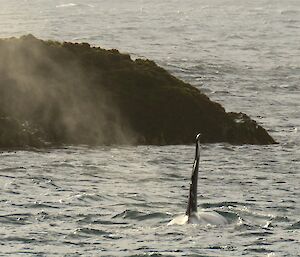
(54, 93)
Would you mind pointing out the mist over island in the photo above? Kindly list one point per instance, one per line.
(54, 93)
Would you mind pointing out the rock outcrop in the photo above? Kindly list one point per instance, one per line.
(70, 93)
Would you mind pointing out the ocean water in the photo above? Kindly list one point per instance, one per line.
(117, 201)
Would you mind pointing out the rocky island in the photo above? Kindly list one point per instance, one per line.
(54, 93)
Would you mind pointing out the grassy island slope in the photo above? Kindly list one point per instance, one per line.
(70, 93)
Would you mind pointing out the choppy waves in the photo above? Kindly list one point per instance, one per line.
(117, 201)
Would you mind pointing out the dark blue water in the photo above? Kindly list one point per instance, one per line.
(117, 201)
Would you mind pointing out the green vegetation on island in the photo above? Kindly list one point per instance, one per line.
(54, 93)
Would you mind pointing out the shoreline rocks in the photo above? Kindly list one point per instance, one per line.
(73, 93)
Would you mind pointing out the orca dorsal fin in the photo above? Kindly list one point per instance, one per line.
(192, 200)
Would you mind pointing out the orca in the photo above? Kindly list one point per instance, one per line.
(192, 216)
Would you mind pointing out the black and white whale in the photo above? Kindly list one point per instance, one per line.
(192, 215)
